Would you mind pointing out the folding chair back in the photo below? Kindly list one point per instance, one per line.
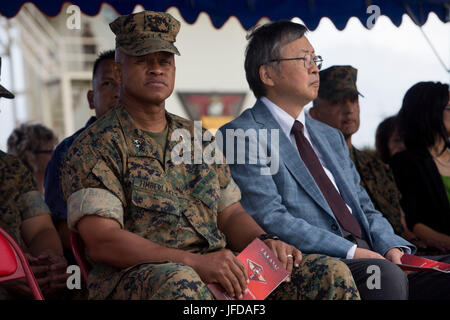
(78, 250)
(14, 264)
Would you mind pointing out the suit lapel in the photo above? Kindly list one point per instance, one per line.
(290, 157)
(320, 142)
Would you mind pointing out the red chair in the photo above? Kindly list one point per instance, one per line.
(14, 264)
(78, 249)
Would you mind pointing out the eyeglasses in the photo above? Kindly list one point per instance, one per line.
(308, 61)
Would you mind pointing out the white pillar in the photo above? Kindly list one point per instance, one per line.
(66, 91)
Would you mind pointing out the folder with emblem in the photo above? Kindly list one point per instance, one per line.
(415, 263)
(264, 270)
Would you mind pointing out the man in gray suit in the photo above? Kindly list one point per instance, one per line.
(295, 174)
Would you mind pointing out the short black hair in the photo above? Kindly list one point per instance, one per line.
(420, 118)
(384, 132)
(105, 55)
(264, 45)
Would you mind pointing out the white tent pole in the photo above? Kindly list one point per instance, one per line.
(414, 18)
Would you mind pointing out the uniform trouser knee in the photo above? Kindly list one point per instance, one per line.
(167, 281)
(318, 277)
(181, 283)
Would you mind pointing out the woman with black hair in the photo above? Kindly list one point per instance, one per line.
(387, 139)
(422, 171)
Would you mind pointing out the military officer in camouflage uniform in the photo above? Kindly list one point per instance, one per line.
(156, 228)
(25, 216)
(338, 106)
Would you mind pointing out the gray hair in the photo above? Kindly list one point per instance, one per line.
(265, 43)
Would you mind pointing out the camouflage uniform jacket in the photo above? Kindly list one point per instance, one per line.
(19, 196)
(120, 168)
(377, 179)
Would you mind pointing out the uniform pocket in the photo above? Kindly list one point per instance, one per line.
(207, 189)
(154, 202)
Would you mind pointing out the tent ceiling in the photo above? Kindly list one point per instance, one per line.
(249, 12)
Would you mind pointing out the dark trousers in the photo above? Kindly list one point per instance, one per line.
(391, 285)
(430, 285)
(394, 284)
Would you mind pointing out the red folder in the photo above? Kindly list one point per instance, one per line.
(415, 263)
(264, 270)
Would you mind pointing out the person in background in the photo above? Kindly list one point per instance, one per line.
(387, 139)
(103, 96)
(26, 218)
(387, 144)
(422, 171)
(33, 144)
(338, 106)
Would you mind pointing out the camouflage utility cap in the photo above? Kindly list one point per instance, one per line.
(338, 82)
(3, 91)
(146, 32)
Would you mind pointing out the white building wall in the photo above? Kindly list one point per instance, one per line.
(211, 59)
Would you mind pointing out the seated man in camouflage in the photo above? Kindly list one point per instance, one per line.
(26, 218)
(155, 228)
(337, 105)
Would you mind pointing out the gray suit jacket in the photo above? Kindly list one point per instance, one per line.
(289, 203)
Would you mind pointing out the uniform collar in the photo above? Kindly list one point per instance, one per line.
(90, 121)
(140, 144)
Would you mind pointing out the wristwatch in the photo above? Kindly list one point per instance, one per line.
(266, 236)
